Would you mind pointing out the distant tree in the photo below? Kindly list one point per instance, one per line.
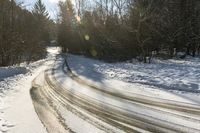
(66, 22)
(40, 10)
(42, 19)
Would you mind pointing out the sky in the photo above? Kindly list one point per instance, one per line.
(51, 5)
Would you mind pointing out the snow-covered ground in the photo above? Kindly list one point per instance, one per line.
(11, 71)
(87, 69)
(180, 76)
(176, 80)
(17, 114)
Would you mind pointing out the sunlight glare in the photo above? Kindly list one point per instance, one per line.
(78, 19)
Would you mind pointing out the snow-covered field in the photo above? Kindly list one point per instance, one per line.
(17, 114)
(179, 76)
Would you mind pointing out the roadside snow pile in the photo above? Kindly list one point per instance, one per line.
(17, 114)
(183, 75)
(23, 68)
(9, 75)
(11, 71)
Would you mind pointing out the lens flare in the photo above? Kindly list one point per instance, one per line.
(93, 52)
(87, 37)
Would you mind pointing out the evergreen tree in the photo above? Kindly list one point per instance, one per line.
(42, 19)
(19, 39)
(40, 10)
(66, 22)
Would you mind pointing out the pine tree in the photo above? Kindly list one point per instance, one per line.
(66, 25)
(40, 10)
(42, 18)
(19, 29)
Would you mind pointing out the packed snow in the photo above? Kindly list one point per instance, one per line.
(17, 114)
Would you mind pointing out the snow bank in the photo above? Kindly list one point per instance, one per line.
(11, 71)
(182, 75)
(17, 114)
(15, 83)
(9, 75)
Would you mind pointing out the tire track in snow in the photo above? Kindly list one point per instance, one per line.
(126, 120)
(136, 120)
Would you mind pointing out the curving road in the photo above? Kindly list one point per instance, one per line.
(107, 109)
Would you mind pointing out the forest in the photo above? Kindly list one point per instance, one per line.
(110, 30)
(116, 30)
(23, 34)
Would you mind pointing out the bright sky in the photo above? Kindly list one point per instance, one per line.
(51, 5)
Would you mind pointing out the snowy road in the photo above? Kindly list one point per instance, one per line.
(66, 103)
(88, 108)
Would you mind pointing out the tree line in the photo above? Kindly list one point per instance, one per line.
(125, 29)
(111, 30)
(23, 33)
